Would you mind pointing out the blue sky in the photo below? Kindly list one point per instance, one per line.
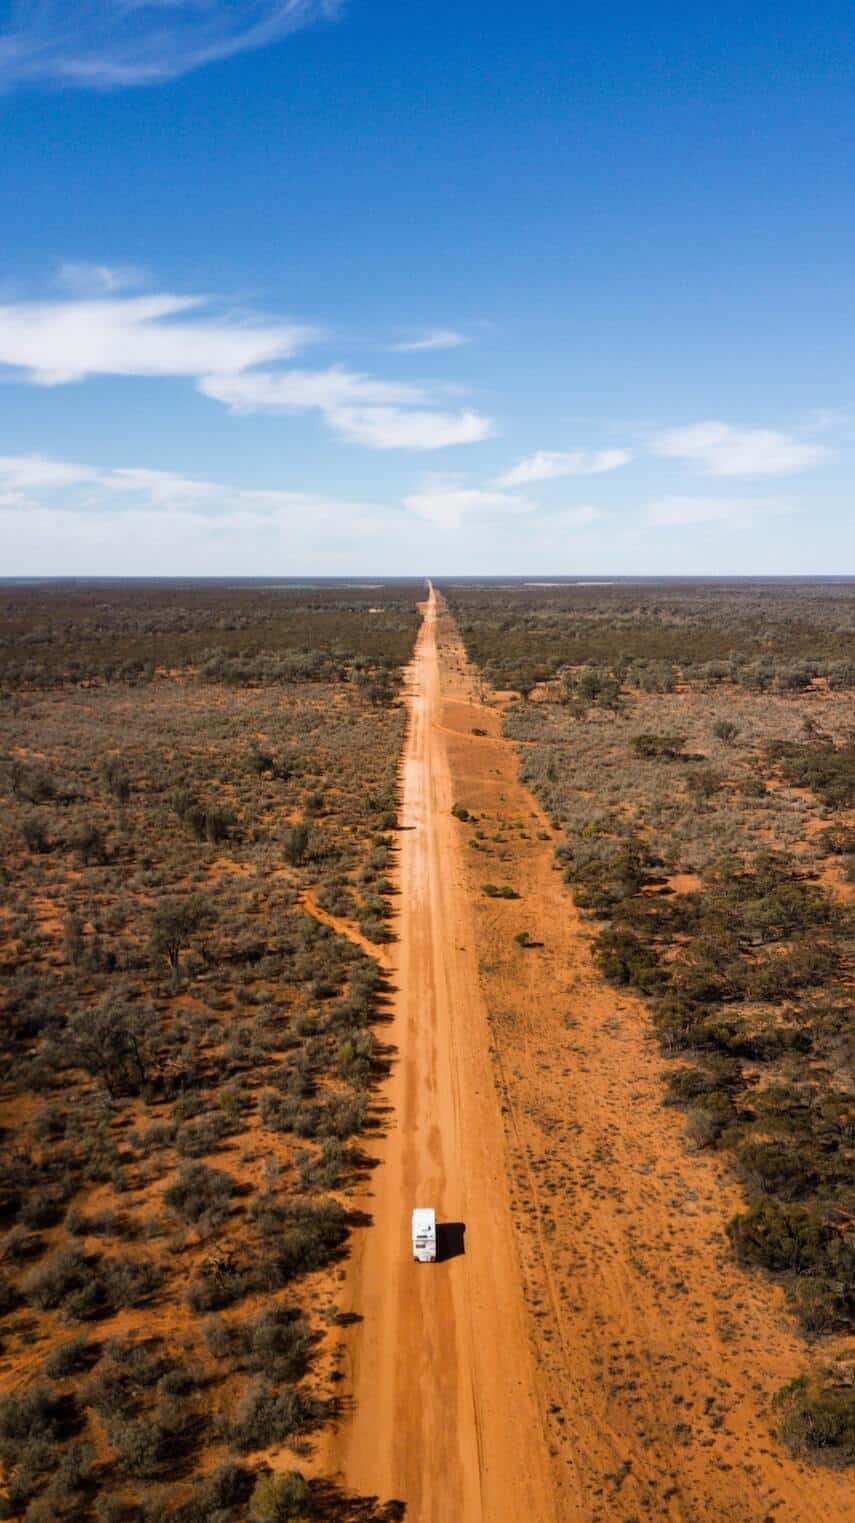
(296, 286)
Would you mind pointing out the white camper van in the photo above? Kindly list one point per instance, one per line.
(424, 1236)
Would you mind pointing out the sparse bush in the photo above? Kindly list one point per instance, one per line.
(116, 780)
(73, 941)
(111, 1042)
(772, 1168)
(658, 747)
(726, 731)
(35, 835)
(296, 845)
(89, 844)
(202, 1197)
(280, 1498)
(149, 1445)
(782, 1237)
(265, 1416)
(70, 1358)
(174, 923)
(818, 1421)
(48, 1286)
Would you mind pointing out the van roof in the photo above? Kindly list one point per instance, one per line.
(424, 1217)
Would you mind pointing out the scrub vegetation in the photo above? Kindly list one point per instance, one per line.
(694, 745)
(189, 1056)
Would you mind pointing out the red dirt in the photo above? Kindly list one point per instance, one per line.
(593, 1356)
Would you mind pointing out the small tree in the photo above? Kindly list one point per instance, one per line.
(115, 777)
(90, 845)
(297, 845)
(73, 940)
(174, 923)
(109, 1041)
(703, 783)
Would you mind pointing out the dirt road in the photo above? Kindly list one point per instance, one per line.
(593, 1356)
(447, 1414)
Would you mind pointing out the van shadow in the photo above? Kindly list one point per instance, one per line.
(450, 1242)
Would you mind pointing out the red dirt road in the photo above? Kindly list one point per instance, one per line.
(446, 1410)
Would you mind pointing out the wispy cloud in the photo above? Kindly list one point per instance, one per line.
(548, 465)
(441, 338)
(445, 501)
(107, 44)
(674, 512)
(228, 357)
(58, 517)
(25, 473)
(395, 428)
(84, 279)
(721, 450)
(297, 390)
(360, 408)
(53, 342)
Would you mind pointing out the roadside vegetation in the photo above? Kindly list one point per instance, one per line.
(694, 746)
(189, 1057)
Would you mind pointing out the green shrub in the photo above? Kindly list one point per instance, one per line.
(70, 1358)
(202, 1197)
(280, 1498)
(817, 1420)
(658, 747)
(776, 1168)
(725, 730)
(49, 1285)
(781, 1237)
(149, 1445)
(265, 1415)
(626, 960)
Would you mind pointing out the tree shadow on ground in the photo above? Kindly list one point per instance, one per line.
(330, 1504)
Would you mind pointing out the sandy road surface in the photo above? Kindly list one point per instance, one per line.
(446, 1413)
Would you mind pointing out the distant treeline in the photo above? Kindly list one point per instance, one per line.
(67, 633)
(777, 637)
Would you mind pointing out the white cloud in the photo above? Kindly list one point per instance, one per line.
(104, 44)
(53, 342)
(441, 338)
(85, 279)
(684, 511)
(547, 465)
(445, 501)
(161, 489)
(299, 390)
(394, 428)
(83, 519)
(720, 450)
(29, 472)
(363, 410)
